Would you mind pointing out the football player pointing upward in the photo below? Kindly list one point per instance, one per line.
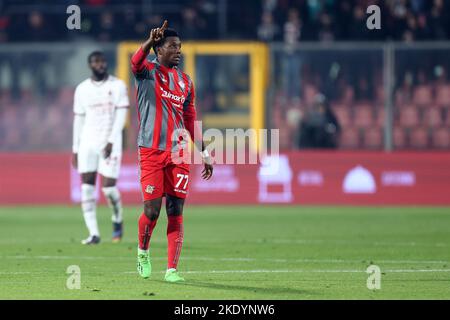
(165, 98)
(100, 108)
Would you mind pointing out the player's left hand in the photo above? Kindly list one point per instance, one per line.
(207, 171)
(107, 151)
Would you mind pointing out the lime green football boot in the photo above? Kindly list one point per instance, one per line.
(173, 276)
(144, 266)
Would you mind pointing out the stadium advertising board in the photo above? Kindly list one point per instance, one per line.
(347, 178)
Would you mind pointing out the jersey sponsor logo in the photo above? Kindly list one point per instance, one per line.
(100, 104)
(149, 189)
(171, 96)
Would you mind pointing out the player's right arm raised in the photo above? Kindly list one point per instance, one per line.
(138, 58)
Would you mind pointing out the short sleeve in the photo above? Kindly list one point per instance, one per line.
(122, 98)
(78, 104)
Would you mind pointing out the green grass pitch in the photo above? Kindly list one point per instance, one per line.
(233, 252)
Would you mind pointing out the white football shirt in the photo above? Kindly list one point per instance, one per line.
(97, 101)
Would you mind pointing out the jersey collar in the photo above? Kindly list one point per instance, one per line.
(155, 61)
(99, 83)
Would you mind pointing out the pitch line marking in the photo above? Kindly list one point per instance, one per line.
(269, 271)
(288, 241)
(301, 241)
(365, 242)
(366, 260)
(302, 271)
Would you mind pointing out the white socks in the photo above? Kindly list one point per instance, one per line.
(112, 194)
(88, 205)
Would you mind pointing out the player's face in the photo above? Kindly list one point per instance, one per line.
(171, 51)
(98, 65)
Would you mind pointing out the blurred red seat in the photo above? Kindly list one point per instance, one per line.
(409, 117)
(419, 138)
(348, 96)
(337, 105)
(5, 96)
(399, 137)
(349, 138)
(286, 141)
(14, 138)
(344, 116)
(363, 116)
(379, 94)
(363, 104)
(423, 95)
(405, 106)
(441, 138)
(373, 138)
(447, 118)
(432, 117)
(65, 95)
(402, 97)
(278, 120)
(380, 116)
(443, 95)
(26, 93)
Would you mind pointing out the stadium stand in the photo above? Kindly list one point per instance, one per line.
(356, 95)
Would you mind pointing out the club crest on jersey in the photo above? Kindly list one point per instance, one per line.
(181, 84)
(149, 189)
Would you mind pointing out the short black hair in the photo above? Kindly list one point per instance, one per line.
(95, 54)
(167, 33)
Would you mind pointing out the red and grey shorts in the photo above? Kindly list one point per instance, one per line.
(159, 175)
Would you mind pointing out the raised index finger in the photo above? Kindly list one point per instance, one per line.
(164, 26)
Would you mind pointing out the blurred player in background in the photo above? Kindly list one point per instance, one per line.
(166, 108)
(100, 109)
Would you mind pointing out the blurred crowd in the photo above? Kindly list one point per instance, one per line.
(266, 20)
(330, 20)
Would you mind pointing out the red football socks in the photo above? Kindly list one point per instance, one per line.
(174, 240)
(174, 237)
(146, 227)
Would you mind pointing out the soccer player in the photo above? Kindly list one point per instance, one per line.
(100, 107)
(165, 98)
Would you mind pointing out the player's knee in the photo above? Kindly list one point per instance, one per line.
(87, 192)
(111, 193)
(151, 210)
(174, 206)
(88, 178)
(109, 182)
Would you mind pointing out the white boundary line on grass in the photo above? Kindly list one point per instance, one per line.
(368, 261)
(271, 271)
(345, 242)
(291, 241)
(303, 271)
